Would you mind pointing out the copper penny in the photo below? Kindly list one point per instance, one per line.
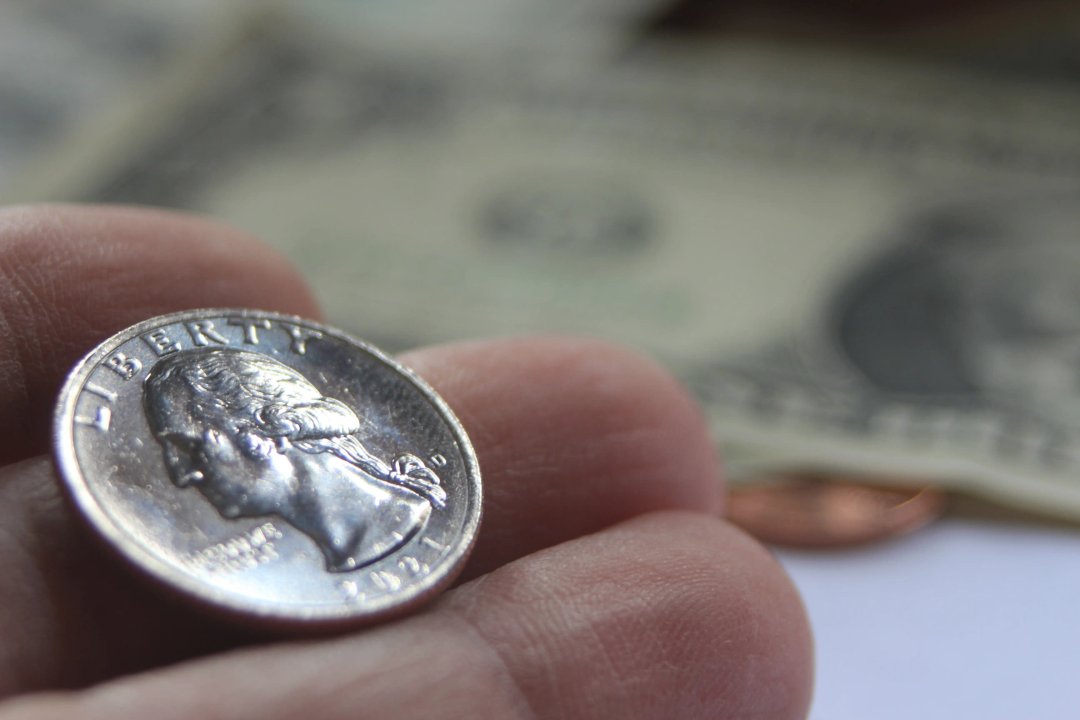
(830, 511)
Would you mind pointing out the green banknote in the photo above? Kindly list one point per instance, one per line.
(63, 62)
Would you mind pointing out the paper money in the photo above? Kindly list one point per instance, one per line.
(783, 230)
(62, 63)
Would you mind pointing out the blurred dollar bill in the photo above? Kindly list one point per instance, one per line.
(62, 62)
(856, 263)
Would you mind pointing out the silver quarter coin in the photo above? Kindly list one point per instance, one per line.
(269, 467)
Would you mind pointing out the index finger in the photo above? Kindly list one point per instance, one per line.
(54, 263)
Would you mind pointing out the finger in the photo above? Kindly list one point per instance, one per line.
(669, 615)
(71, 276)
(572, 436)
(71, 615)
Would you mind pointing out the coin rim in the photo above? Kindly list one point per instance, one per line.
(78, 490)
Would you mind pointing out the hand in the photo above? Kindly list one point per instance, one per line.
(601, 585)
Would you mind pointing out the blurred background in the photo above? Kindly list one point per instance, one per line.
(850, 227)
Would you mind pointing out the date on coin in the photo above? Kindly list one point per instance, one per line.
(269, 467)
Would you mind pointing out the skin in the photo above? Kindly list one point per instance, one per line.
(603, 583)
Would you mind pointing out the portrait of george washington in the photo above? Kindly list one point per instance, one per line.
(974, 304)
(257, 438)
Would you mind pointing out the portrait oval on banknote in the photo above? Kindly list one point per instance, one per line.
(975, 304)
(270, 467)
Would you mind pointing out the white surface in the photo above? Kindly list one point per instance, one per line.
(962, 620)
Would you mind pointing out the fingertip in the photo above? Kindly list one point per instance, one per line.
(71, 275)
(671, 614)
(138, 258)
(584, 385)
(730, 615)
(572, 435)
(756, 614)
